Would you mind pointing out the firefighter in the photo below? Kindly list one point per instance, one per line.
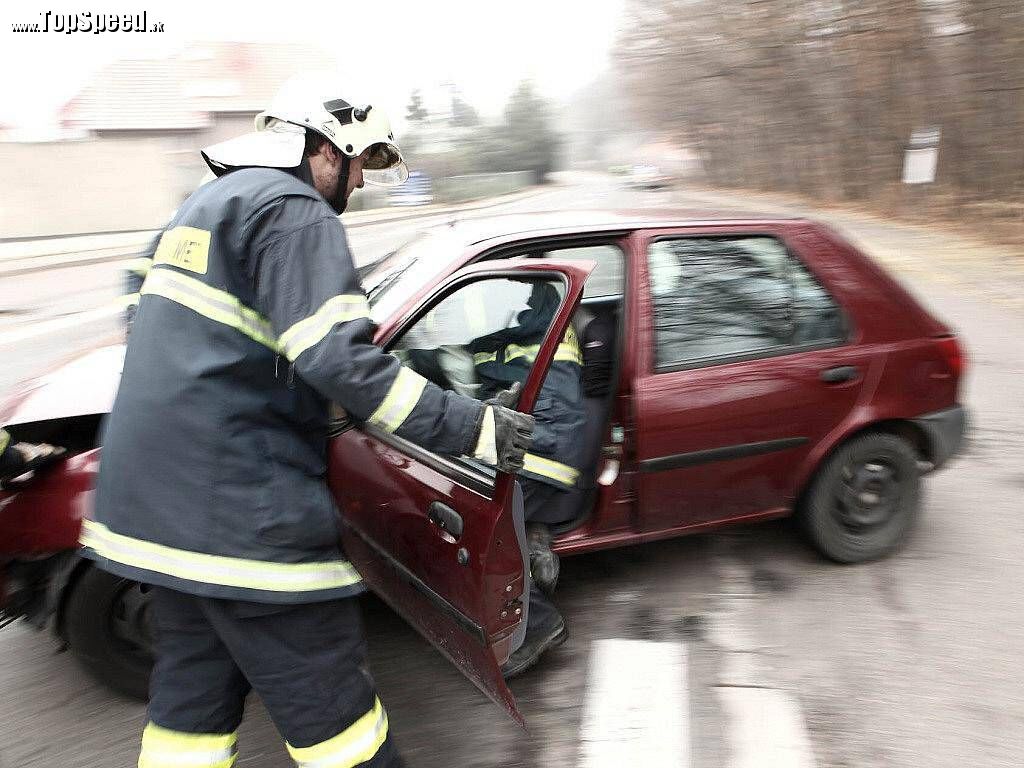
(18, 459)
(212, 486)
(550, 473)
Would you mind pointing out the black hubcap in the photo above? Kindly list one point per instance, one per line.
(869, 494)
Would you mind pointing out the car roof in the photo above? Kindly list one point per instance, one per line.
(475, 230)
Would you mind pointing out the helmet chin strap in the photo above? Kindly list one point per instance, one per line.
(340, 199)
(304, 172)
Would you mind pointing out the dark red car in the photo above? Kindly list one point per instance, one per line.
(762, 368)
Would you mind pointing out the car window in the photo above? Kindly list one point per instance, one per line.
(722, 297)
(405, 272)
(607, 280)
(491, 322)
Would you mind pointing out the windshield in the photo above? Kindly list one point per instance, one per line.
(411, 267)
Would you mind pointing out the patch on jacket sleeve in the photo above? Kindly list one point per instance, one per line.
(185, 248)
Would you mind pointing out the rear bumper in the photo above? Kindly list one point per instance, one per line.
(945, 431)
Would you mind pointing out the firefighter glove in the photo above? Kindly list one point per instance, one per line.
(505, 434)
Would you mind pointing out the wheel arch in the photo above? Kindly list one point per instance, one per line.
(904, 428)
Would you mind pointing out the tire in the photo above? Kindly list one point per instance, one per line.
(107, 630)
(864, 499)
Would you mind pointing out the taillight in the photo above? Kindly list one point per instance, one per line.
(952, 354)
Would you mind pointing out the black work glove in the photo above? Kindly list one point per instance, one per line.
(22, 458)
(504, 435)
(507, 398)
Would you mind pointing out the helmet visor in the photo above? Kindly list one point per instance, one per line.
(385, 166)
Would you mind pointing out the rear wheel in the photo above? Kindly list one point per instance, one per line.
(864, 500)
(107, 624)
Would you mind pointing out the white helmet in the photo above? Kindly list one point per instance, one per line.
(309, 102)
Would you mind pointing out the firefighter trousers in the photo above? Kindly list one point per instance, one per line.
(543, 504)
(306, 663)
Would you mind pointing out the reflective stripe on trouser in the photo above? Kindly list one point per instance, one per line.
(400, 400)
(561, 473)
(305, 661)
(164, 748)
(217, 569)
(356, 744)
(211, 303)
(310, 331)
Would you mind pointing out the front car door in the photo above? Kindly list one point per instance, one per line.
(441, 538)
(747, 363)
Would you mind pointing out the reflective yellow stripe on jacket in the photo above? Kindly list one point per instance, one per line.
(355, 745)
(5, 440)
(568, 352)
(400, 400)
(211, 303)
(217, 569)
(311, 331)
(222, 307)
(164, 748)
(561, 473)
(140, 266)
(128, 300)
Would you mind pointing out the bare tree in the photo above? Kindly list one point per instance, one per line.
(822, 96)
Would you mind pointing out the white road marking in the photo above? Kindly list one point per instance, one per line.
(765, 729)
(636, 711)
(763, 724)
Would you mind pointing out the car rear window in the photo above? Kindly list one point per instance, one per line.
(728, 297)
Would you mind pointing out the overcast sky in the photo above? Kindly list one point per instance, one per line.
(384, 49)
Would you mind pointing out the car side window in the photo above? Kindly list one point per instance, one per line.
(493, 321)
(608, 278)
(720, 297)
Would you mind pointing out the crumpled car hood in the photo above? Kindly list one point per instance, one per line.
(84, 386)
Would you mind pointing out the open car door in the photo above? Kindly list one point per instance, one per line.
(442, 538)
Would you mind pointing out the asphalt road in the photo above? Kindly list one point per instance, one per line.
(909, 662)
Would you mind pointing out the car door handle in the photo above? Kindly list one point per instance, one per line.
(445, 518)
(840, 374)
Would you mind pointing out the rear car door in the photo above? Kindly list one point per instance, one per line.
(747, 364)
(441, 538)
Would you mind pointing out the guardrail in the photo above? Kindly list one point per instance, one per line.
(449, 190)
(18, 257)
(456, 189)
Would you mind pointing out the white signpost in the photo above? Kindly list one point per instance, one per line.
(922, 157)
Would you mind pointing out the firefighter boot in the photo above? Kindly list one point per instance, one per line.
(544, 565)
